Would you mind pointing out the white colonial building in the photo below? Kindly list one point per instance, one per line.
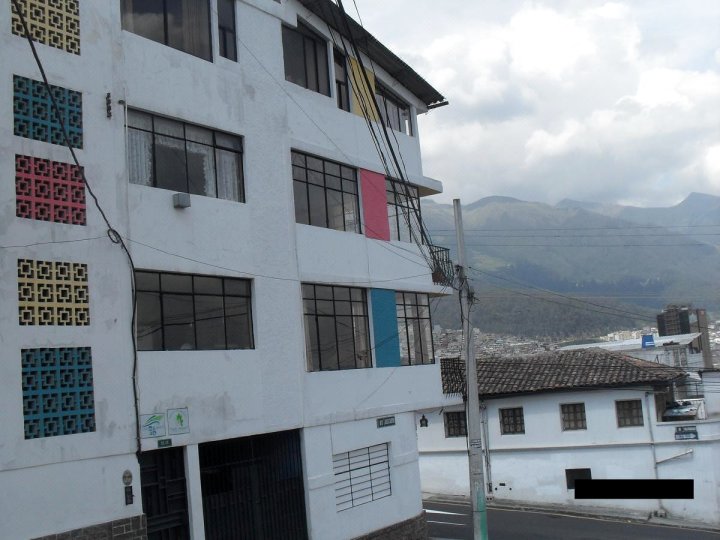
(552, 418)
(266, 383)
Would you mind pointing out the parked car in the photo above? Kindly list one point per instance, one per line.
(680, 410)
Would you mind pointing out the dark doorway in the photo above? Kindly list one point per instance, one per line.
(252, 488)
(164, 494)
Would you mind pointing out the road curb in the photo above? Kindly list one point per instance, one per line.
(600, 513)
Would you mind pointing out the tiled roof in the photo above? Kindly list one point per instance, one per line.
(556, 370)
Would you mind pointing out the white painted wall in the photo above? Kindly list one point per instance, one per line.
(319, 445)
(530, 467)
(228, 393)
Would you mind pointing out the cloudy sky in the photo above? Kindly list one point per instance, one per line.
(615, 102)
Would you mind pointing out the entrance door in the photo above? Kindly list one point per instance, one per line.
(164, 494)
(252, 488)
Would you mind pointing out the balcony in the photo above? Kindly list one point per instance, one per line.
(443, 272)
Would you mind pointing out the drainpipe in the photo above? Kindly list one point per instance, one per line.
(654, 453)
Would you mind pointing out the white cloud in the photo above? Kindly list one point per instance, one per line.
(596, 100)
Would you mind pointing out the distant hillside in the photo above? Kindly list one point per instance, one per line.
(635, 260)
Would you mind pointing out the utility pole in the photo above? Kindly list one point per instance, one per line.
(474, 425)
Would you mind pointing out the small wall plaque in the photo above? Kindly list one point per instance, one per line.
(386, 421)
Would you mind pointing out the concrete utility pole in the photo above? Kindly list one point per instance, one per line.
(474, 422)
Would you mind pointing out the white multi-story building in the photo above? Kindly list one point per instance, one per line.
(259, 389)
(553, 418)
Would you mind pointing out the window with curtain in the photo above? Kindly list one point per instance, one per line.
(414, 328)
(395, 113)
(180, 24)
(171, 154)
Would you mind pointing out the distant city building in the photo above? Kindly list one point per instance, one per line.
(675, 320)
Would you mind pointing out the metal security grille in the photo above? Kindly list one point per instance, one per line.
(361, 476)
(252, 488)
(455, 424)
(629, 413)
(512, 421)
(164, 494)
(573, 416)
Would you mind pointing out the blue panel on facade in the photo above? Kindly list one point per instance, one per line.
(385, 328)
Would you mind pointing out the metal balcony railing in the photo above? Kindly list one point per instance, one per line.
(443, 271)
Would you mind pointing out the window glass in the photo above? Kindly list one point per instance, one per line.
(294, 56)
(184, 157)
(455, 424)
(226, 28)
(341, 81)
(145, 18)
(414, 329)
(512, 421)
(184, 312)
(394, 112)
(403, 207)
(305, 58)
(336, 329)
(332, 199)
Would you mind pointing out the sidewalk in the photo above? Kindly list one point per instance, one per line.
(595, 512)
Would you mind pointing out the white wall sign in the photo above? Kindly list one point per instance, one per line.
(178, 421)
(152, 425)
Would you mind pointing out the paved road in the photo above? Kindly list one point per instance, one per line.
(453, 521)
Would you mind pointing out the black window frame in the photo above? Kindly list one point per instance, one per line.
(512, 421)
(126, 13)
(455, 424)
(307, 176)
(346, 303)
(217, 146)
(390, 108)
(571, 475)
(411, 307)
(342, 86)
(404, 216)
(142, 290)
(572, 416)
(316, 61)
(227, 34)
(629, 413)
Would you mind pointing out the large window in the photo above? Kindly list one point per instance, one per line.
(190, 312)
(173, 155)
(341, 81)
(414, 328)
(226, 29)
(306, 58)
(455, 424)
(180, 24)
(394, 112)
(326, 193)
(403, 206)
(337, 335)
(629, 413)
(512, 421)
(573, 416)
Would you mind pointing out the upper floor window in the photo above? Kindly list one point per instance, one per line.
(512, 421)
(403, 206)
(180, 24)
(337, 334)
(394, 112)
(326, 193)
(414, 328)
(341, 81)
(306, 58)
(226, 29)
(173, 155)
(455, 424)
(573, 416)
(629, 413)
(190, 312)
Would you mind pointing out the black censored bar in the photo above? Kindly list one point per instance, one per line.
(634, 489)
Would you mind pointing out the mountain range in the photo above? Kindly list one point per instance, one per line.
(580, 268)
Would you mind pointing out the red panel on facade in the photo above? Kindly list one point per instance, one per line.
(374, 201)
(49, 190)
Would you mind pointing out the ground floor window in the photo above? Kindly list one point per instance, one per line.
(576, 474)
(361, 476)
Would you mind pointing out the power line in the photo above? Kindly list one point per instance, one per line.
(599, 228)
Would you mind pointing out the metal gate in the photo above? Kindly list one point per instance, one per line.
(164, 494)
(252, 488)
